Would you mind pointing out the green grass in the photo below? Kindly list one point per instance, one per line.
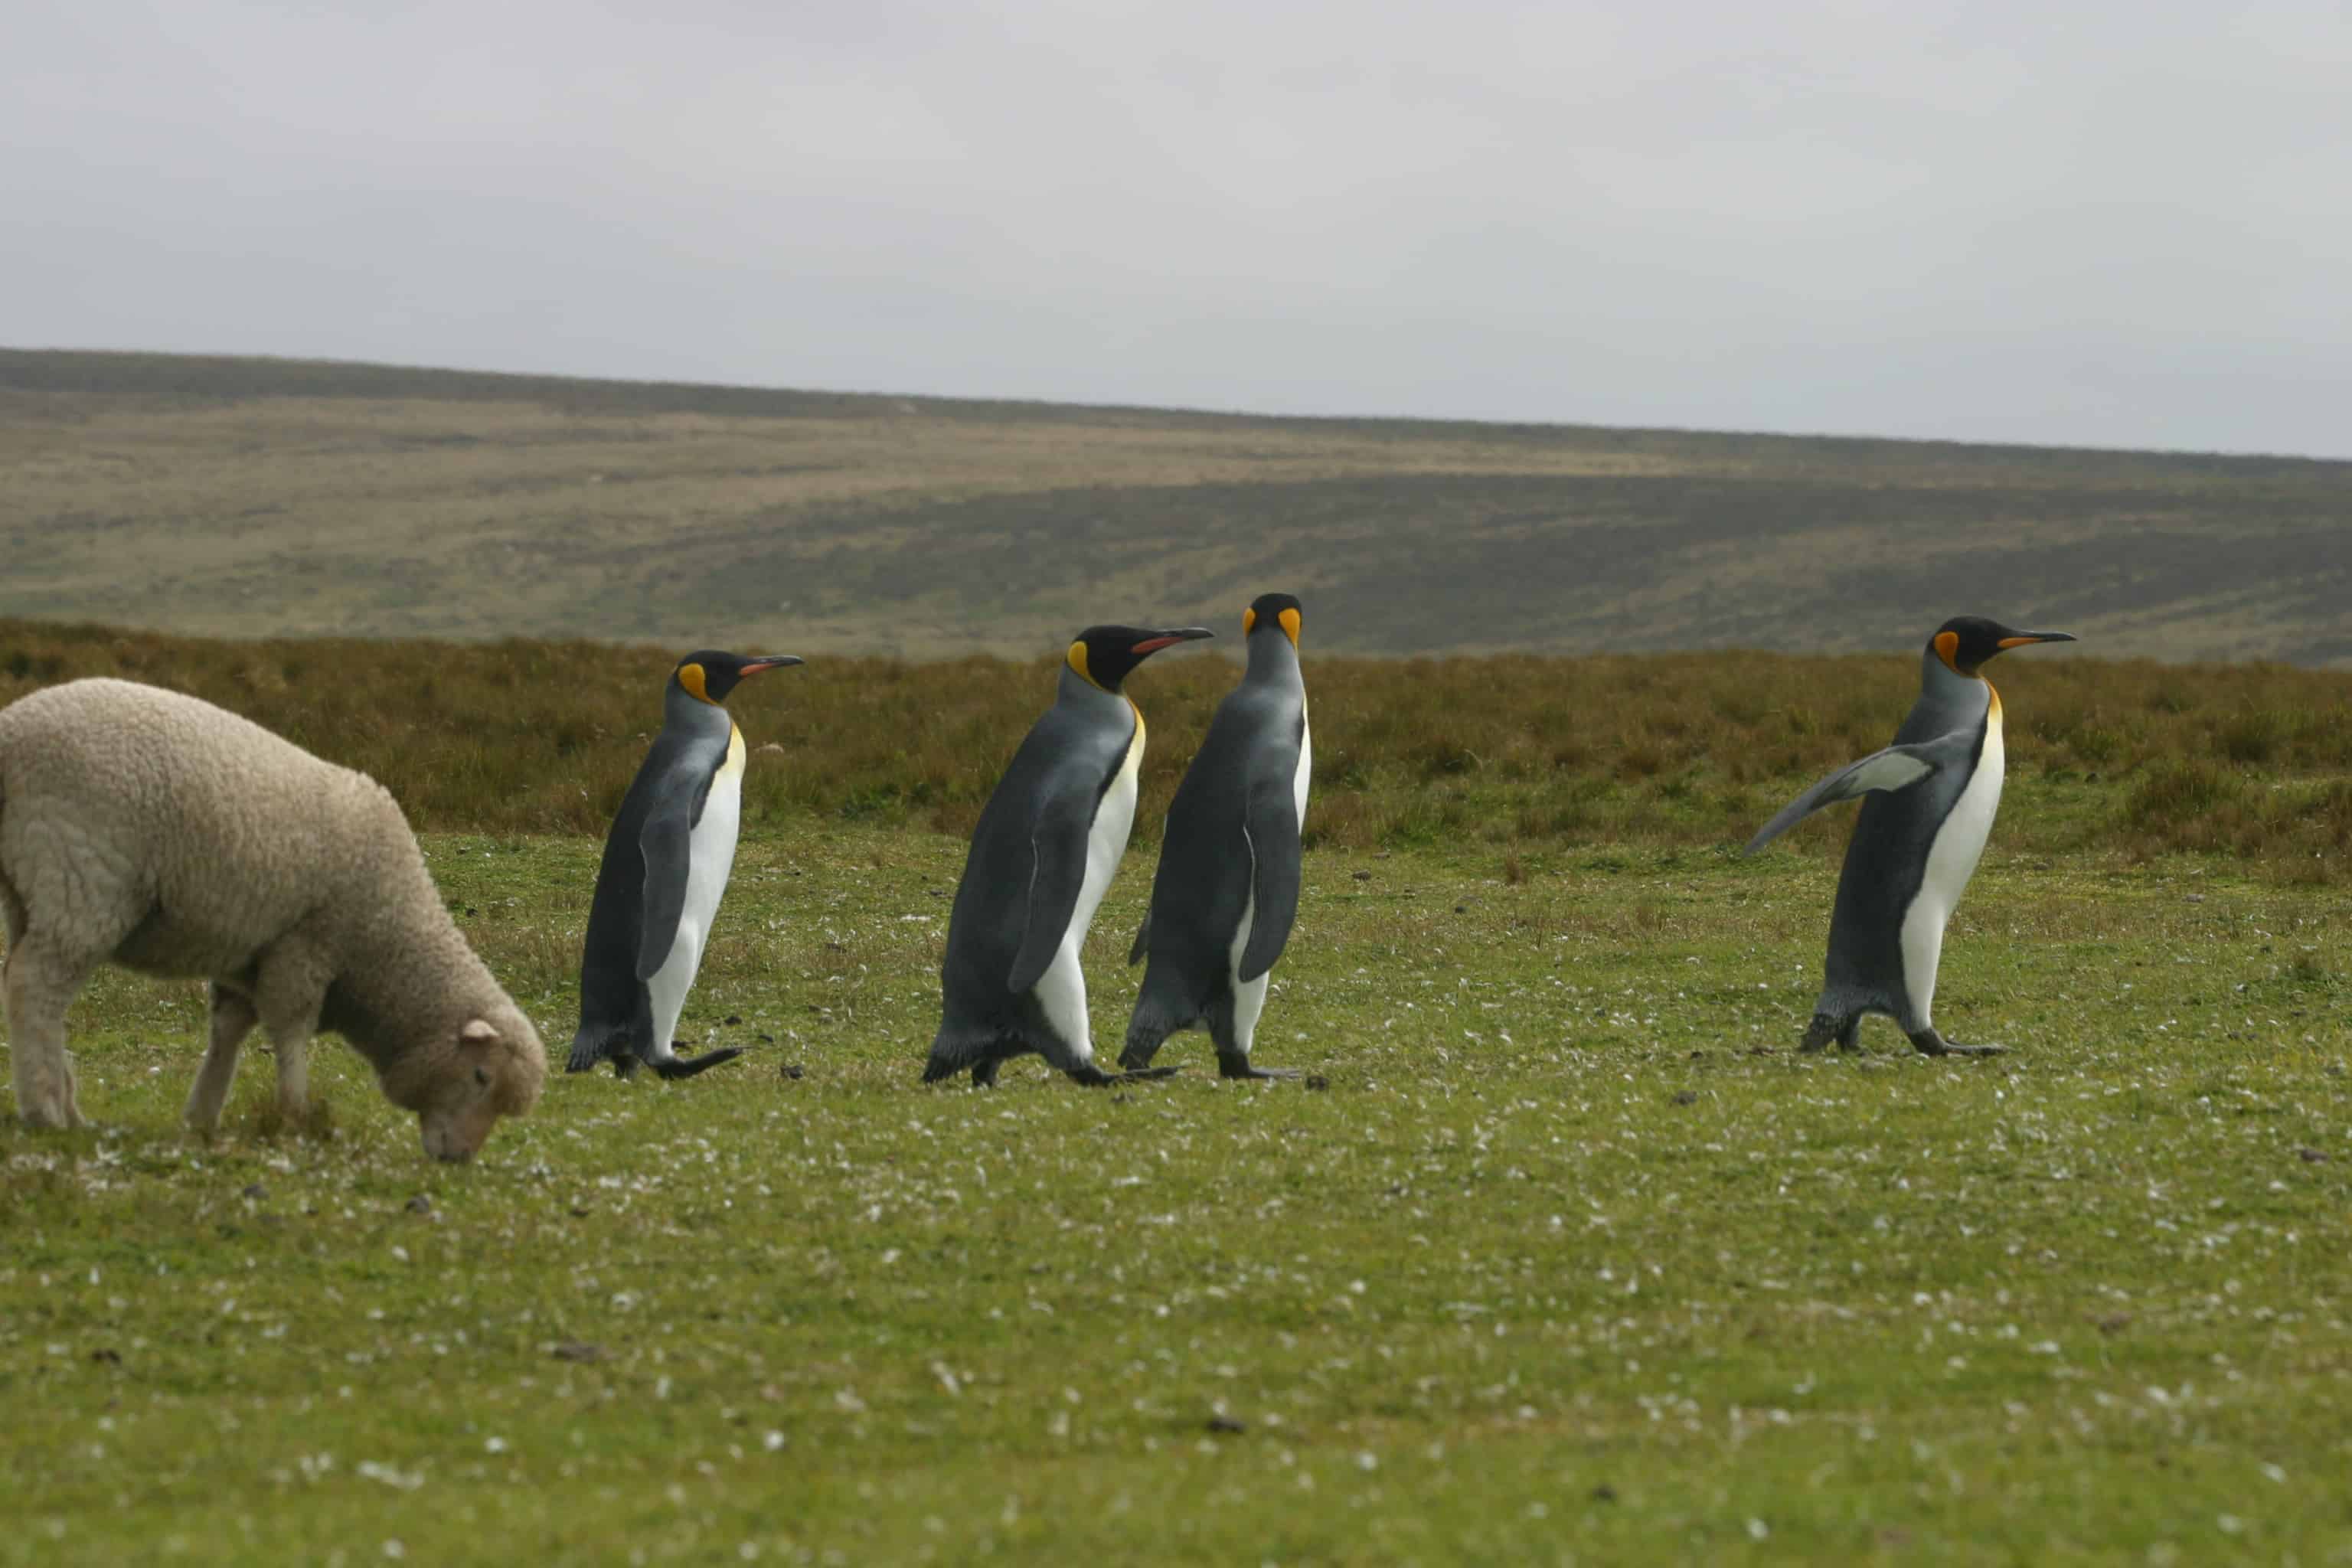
(1574, 1258)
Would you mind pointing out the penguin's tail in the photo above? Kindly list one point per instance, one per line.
(595, 1044)
(1159, 1012)
(955, 1050)
(672, 1067)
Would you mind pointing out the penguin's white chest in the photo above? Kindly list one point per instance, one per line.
(1306, 767)
(1951, 860)
(710, 851)
(713, 842)
(1107, 838)
(1061, 990)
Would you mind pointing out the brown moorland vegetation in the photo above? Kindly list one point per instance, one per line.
(1518, 756)
(251, 497)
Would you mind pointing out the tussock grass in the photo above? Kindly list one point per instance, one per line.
(1517, 752)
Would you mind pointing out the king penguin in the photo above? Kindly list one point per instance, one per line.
(1042, 856)
(1932, 795)
(667, 860)
(1227, 889)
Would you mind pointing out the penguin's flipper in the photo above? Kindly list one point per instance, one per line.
(1272, 829)
(666, 843)
(1897, 767)
(1142, 940)
(1059, 873)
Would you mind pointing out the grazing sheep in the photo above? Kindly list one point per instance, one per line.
(161, 833)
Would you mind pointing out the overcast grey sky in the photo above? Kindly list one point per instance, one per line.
(2114, 223)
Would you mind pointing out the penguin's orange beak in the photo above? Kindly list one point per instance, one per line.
(771, 661)
(1158, 640)
(2023, 639)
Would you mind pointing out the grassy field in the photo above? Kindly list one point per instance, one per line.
(1573, 1258)
(250, 498)
(1565, 1254)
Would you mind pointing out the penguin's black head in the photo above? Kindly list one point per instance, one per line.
(1276, 610)
(1105, 655)
(709, 675)
(1964, 642)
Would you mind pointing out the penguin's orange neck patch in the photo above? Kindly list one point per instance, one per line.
(689, 675)
(1947, 648)
(1076, 660)
(1289, 619)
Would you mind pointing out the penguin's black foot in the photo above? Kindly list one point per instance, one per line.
(1093, 1077)
(1136, 1057)
(624, 1065)
(1239, 1067)
(1928, 1043)
(984, 1075)
(677, 1067)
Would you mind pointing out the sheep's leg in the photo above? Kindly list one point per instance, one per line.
(233, 1019)
(288, 997)
(293, 1074)
(37, 983)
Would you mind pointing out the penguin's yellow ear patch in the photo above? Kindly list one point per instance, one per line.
(1078, 661)
(1249, 621)
(690, 677)
(1947, 648)
(1289, 619)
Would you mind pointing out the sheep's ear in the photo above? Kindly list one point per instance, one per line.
(478, 1032)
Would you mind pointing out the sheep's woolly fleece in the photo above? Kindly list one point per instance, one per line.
(157, 831)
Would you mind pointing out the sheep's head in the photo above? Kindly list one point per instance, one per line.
(494, 1067)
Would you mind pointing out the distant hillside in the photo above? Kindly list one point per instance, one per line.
(247, 497)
